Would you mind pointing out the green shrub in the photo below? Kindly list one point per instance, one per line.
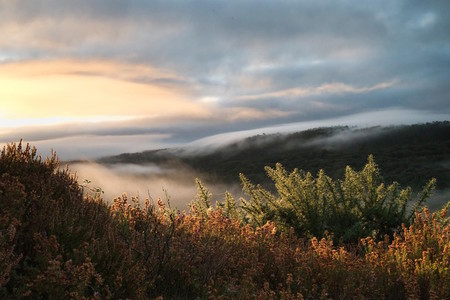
(358, 206)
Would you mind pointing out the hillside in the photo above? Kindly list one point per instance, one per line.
(59, 242)
(408, 154)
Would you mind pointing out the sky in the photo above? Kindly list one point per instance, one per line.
(100, 77)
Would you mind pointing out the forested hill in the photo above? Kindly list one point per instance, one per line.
(409, 154)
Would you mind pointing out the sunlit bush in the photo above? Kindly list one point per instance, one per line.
(358, 206)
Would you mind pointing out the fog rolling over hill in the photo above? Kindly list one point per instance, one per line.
(410, 155)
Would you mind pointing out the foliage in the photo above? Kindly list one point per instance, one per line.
(418, 257)
(56, 243)
(407, 153)
(202, 202)
(59, 245)
(358, 206)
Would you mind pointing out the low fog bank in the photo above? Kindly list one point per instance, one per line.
(323, 138)
(382, 118)
(346, 136)
(149, 180)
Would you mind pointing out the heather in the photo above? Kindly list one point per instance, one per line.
(310, 237)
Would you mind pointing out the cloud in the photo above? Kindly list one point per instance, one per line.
(74, 89)
(185, 71)
(147, 181)
(367, 119)
(96, 146)
(328, 88)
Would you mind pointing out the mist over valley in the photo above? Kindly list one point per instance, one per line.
(408, 154)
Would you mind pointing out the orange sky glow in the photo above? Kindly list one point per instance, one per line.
(43, 93)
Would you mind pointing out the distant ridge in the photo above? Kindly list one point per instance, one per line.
(409, 154)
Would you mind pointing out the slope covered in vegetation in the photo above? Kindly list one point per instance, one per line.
(408, 154)
(57, 243)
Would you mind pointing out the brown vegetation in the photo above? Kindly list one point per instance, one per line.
(56, 243)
